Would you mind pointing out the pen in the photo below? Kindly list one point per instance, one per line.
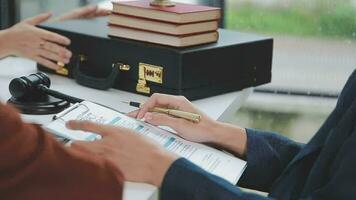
(172, 112)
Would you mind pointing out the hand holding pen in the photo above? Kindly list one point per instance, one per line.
(172, 112)
(188, 129)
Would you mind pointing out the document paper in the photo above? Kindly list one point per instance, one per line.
(212, 160)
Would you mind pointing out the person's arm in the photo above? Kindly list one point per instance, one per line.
(142, 160)
(34, 165)
(267, 154)
(180, 179)
(340, 180)
(185, 180)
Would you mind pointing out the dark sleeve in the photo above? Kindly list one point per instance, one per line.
(186, 181)
(341, 177)
(268, 154)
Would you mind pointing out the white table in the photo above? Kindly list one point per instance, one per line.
(221, 107)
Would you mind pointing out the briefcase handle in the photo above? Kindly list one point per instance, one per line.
(94, 82)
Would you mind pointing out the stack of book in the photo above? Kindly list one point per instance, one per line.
(181, 25)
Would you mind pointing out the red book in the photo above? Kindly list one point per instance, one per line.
(163, 39)
(162, 27)
(180, 13)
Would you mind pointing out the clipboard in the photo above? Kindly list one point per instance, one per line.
(210, 159)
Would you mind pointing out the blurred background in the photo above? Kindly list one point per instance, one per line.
(314, 53)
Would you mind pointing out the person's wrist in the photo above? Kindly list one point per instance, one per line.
(159, 165)
(217, 129)
(5, 41)
(231, 138)
(211, 130)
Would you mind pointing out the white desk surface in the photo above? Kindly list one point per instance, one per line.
(221, 107)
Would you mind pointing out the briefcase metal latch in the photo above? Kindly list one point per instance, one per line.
(142, 87)
(63, 70)
(122, 66)
(147, 72)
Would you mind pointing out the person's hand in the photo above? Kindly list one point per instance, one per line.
(229, 137)
(140, 159)
(202, 131)
(26, 40)
(87, 12)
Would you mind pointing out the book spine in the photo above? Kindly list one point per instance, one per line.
(114, 13)
(161, 33)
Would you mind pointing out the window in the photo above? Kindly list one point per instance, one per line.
(314, 53)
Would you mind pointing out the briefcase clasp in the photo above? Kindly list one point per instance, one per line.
(122, 67)
(148, 72)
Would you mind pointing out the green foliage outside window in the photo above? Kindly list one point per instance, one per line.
(337, 20)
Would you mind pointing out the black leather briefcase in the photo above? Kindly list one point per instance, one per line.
(236, 61)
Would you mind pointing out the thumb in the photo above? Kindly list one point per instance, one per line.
(38, 19)
(133, 114)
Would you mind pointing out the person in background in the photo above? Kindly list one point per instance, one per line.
(33, 165)
(324, 168)
(26, 40)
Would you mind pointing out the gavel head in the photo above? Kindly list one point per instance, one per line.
(27, 86)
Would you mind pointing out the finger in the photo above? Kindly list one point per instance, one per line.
(78, 143)
(133, 114)
(85, 11)
(100, 12)
(79, 13)
(46, 63)
(86, 143)
(151, 103)
(52, 56)
(55, 48)
(91, 14)
(38, 19)
(53, 37)
(86, 146)
(161, 100)
(159, 119)
(89, 127)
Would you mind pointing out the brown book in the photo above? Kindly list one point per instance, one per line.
(180, 13)
(163, 39)
(162, 27)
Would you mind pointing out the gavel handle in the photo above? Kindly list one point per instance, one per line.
(59, 95)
